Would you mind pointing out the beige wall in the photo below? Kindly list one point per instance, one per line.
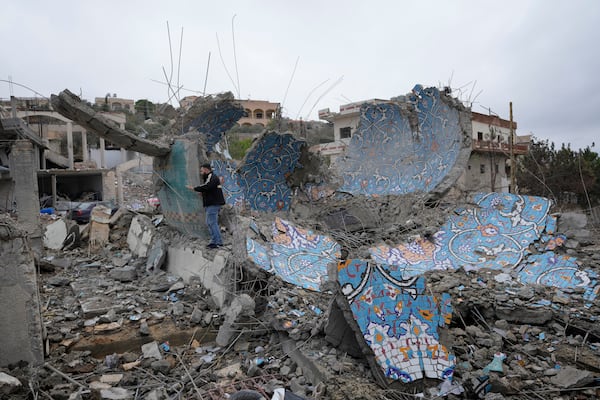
(474, 180)
(259, 112)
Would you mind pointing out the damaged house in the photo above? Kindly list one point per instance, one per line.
(364, 279)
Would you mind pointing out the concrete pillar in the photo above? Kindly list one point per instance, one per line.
(84, 146)
(119, 187)
(54, 194)
(36, 157)
(20, 319)
(102, 159)
(70, 143)
(123, 151)
(24, 175)
(44, 152)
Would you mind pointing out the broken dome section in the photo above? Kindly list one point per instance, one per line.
(226, 170)
(418, 143)
(211, 116)
(395, 321)
(497, 233)
(264, 172)
(297, 255)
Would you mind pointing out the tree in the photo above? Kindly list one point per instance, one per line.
(238, 147)
(560, 174)
(145, 107)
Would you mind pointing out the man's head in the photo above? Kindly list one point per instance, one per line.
(205, 169)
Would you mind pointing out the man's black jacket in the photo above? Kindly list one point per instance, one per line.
(212, 194)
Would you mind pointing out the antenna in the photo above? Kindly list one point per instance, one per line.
(290, 82)
(235, 56)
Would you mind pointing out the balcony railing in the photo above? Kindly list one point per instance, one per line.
(493, 146)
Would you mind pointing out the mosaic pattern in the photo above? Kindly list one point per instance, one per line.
(297, 255)
(398, 320)
(560, 271)
(215, 120)
(226, 170)
(262, 175)
(496, 234)
(387, 155)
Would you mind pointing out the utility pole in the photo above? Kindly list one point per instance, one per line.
(513, 165)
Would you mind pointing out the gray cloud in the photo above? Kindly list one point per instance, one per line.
(539, 55)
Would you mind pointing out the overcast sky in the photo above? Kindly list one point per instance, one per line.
(542, 55)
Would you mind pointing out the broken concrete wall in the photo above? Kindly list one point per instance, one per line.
(182, 208)
(21, 326)
(211, 268)
(418, 143)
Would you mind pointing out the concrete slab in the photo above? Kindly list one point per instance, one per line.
(140, 235)
(55, 234)
(209, 266)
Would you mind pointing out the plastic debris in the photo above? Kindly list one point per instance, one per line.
(496, 364)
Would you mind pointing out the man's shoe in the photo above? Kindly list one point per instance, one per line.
(212, 246)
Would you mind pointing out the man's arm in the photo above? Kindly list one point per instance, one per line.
(212, 183)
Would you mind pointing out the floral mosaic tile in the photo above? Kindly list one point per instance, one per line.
(392, 154)
(398, 320)
(297, 255)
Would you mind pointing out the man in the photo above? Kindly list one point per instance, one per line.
(212, 199)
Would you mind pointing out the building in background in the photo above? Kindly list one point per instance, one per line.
(114, 103)
(257, 112)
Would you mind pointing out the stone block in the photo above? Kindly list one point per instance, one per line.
(571, 220)
(571, 377)
(524, 315)
(156, 256)
(124, 274)
(212, 273)
(98, 234)
(139, 237)
(55, 234)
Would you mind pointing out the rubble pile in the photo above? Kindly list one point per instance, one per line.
(115, 330)
(378, 288)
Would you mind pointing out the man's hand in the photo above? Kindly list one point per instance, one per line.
(189, 187)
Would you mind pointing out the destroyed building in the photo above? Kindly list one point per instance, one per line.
(364, 279)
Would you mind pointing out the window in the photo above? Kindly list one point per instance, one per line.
(482, 168)
(345, 132)
(479, 136)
